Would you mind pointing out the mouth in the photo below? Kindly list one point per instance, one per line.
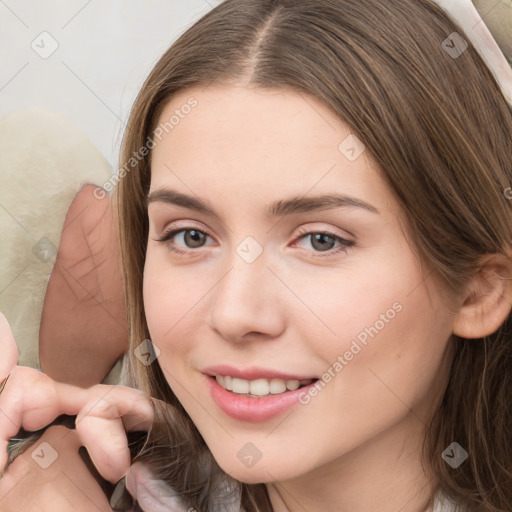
(259, 388)
(255, 394)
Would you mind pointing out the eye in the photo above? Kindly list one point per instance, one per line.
(324, 241)
(193, 239)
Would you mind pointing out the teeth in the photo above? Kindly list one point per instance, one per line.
(259, 387)
(240, 386)
(277, 386)
(292, 385)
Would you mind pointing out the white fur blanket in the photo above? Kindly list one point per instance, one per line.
(44, 160)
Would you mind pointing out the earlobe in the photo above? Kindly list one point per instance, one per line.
(487, 301)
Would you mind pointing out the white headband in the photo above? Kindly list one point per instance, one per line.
(466, 15)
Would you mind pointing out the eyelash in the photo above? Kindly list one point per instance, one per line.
(345, 244)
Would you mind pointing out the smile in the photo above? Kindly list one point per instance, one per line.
(256, 394)
(259, 387)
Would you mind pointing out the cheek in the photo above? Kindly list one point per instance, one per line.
(355, 305)
(171, 299)
(381, 319)
(395, 348)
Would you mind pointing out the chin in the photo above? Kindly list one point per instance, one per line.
(262, 472)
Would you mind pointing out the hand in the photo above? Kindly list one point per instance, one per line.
(32, 400)
(50, 476)
(41, 409)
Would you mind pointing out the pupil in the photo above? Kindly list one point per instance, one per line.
(195, 236)
(322, 238)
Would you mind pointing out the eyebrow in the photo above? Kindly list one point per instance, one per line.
(281, 208)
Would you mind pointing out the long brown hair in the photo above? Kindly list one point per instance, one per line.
(438, 128)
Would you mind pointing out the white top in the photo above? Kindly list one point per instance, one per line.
(443, 503)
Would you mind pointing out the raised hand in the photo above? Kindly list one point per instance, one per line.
(31, 400)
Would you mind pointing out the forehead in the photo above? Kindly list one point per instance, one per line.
(225, 115)
(258, 144)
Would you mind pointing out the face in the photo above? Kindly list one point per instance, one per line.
(252, 294)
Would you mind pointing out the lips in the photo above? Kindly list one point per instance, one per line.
(254, 373)
(256, 394)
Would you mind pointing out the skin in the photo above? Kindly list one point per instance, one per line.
(83, 328)
(85, 284)
(291, 310)
(364, 428)
(63, 480)
(32, 400)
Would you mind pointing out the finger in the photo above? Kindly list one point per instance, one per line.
(31, 400)
(102, 422)
(8, 349)
(106, 443)
(151, 494)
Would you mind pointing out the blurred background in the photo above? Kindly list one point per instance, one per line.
(69, 73)
(86, 59)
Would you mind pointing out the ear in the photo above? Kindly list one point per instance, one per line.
(487, 299)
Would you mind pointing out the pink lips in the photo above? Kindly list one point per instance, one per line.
(253, 373)
(249, 409)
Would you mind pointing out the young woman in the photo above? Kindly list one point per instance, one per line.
(316, 234)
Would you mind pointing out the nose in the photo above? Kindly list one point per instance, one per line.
(246, 304)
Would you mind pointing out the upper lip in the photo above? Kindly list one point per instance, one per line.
(253, 373)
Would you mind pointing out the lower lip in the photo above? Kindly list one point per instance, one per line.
(258, 409)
